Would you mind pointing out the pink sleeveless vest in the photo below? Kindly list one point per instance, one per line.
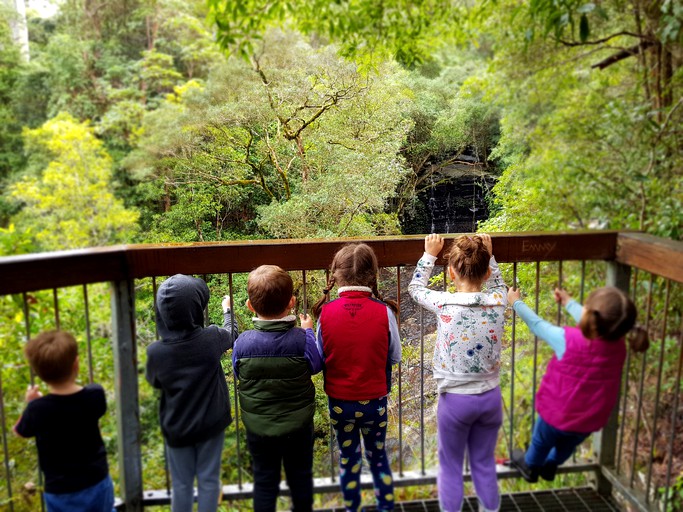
(579, 391)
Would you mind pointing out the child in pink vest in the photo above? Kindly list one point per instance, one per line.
(359, 340)
(581, 385)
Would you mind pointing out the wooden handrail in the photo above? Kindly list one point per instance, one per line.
(656, 255)
(70, 268)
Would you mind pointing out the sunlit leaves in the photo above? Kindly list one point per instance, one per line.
(407, 30)
(71, 204)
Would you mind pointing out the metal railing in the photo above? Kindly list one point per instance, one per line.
(105, 297)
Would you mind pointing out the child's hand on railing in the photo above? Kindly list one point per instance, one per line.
(306, 321)
(433, 244)
(486, 239)
(32, 392)
(561, 296)
(226, 303)
(513, 295)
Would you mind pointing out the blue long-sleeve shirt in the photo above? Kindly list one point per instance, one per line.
(552, 334)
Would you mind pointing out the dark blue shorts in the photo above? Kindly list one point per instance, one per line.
(98, 498)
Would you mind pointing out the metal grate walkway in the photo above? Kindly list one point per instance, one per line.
(581, 499)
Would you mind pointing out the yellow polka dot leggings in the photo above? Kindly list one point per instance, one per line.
(351, 420)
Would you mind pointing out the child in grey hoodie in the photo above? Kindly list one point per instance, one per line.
(195, 406)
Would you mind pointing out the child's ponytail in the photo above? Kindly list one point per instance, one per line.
(610, 314)
(318, 306)
(639, 340)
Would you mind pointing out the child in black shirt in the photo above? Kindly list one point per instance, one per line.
(71, 452)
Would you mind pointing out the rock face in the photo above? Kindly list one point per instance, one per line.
(455, 204)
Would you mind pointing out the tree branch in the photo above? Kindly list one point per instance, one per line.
(624, 54)
(600, 41)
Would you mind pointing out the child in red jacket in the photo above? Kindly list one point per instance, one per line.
(359, 340)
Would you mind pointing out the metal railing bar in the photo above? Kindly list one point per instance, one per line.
(422, 392)
(32, 380)
(88, 334)
(535, 368)
(674, 416)
(582, 286)
(55, 301)
(641, 385)
(305, 292)
(559, 285)
(27, 332)
(512, 366)
(662, 348)
(5, 447)
(332, 433)
(582, 289)
(206, 309)
(237, 405)
(154, 301)
(400, 377)
(625, 383)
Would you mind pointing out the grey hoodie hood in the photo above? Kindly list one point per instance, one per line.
(181, 301)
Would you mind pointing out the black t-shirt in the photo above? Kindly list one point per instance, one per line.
(70, 448)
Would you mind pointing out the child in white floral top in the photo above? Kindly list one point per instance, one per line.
(466, 364)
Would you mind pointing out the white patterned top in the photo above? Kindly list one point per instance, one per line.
(469, 330)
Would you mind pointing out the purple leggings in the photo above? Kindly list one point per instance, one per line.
(472, 422)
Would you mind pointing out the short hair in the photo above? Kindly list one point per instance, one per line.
(469, 258)
(270, 289)
(52, 354)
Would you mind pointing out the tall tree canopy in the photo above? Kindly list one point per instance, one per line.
(71, 204)
(298, 131)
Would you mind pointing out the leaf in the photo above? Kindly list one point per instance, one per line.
(584, 29)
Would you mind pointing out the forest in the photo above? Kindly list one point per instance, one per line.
(157, 121)
(182, 121)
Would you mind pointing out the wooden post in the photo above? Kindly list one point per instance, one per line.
(127, 405)
(605, 441)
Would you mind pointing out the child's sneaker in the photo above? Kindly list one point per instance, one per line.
(548, 472)
(517, 461)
